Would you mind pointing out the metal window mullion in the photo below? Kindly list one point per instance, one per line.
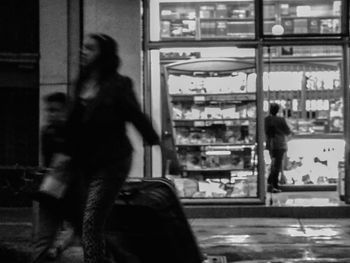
(346, 108)
(260, 121)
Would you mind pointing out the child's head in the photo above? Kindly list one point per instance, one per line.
(55, 107)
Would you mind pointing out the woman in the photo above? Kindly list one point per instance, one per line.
(97, 141)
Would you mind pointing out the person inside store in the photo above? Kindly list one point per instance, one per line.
(54, 234)
(277, 132)
(97, 143)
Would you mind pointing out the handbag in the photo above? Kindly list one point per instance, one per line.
(56, 180)
(53, 186)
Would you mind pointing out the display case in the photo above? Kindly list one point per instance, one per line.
(297, 17)
(200, 20)
(212, 103)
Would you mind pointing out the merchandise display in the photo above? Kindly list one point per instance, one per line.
(213, 115)
(195, 20)
(303, 17)
(240, 184)
(230, 19)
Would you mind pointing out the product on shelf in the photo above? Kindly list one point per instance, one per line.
(311, 17)
(215, 20)
(184, 84)
(240, 184)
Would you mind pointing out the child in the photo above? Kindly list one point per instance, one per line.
(48, 241)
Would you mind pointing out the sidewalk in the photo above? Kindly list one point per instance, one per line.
(275, 239)
(236, 240)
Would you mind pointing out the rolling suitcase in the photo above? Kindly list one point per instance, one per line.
(148, 222)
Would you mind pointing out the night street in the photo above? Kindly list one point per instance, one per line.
(238, 239)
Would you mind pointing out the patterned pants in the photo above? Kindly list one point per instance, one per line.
(102, 190)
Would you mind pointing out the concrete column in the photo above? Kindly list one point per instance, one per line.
(59, 45)
(122, 20)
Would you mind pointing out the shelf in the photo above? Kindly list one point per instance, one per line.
(310, 17)
(310, 60)
(318, 136)
(227, 19)
(216, 170)
(176, 19)
(231, 145)
(237, 97)
(308, 187)
(235, 35)
(310, 94)
(179, 38)
(206, 123)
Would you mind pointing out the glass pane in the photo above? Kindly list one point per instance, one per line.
(288, 17)
(305, 82)
(208, 101)
(197, 20)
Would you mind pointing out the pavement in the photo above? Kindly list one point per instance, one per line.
(224, 240)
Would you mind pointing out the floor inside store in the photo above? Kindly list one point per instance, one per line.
(309, 198)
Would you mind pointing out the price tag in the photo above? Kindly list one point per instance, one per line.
(199, 98)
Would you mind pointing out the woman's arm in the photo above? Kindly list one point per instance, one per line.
(132, 110)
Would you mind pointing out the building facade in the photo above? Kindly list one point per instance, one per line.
(206, 71)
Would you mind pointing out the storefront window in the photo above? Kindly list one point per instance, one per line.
(199, 20)
(208, 112)
(286, 17)
(306, 82)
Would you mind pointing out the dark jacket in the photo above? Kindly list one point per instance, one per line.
(276, 130)
(52, 141)
(97, 133)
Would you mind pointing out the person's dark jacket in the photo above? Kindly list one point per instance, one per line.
(97, 133)
(52, 141)
(276, 130)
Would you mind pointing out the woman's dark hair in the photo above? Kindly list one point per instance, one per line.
(108, 61)
(274, 108)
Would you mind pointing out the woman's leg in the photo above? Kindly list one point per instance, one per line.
(102, 191)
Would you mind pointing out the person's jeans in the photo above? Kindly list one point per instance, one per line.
(276, 166)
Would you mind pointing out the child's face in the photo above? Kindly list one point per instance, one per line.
(55, 112)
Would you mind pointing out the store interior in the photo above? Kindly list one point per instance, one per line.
(212, 99)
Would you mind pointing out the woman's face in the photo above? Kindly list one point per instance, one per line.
(90, 52)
